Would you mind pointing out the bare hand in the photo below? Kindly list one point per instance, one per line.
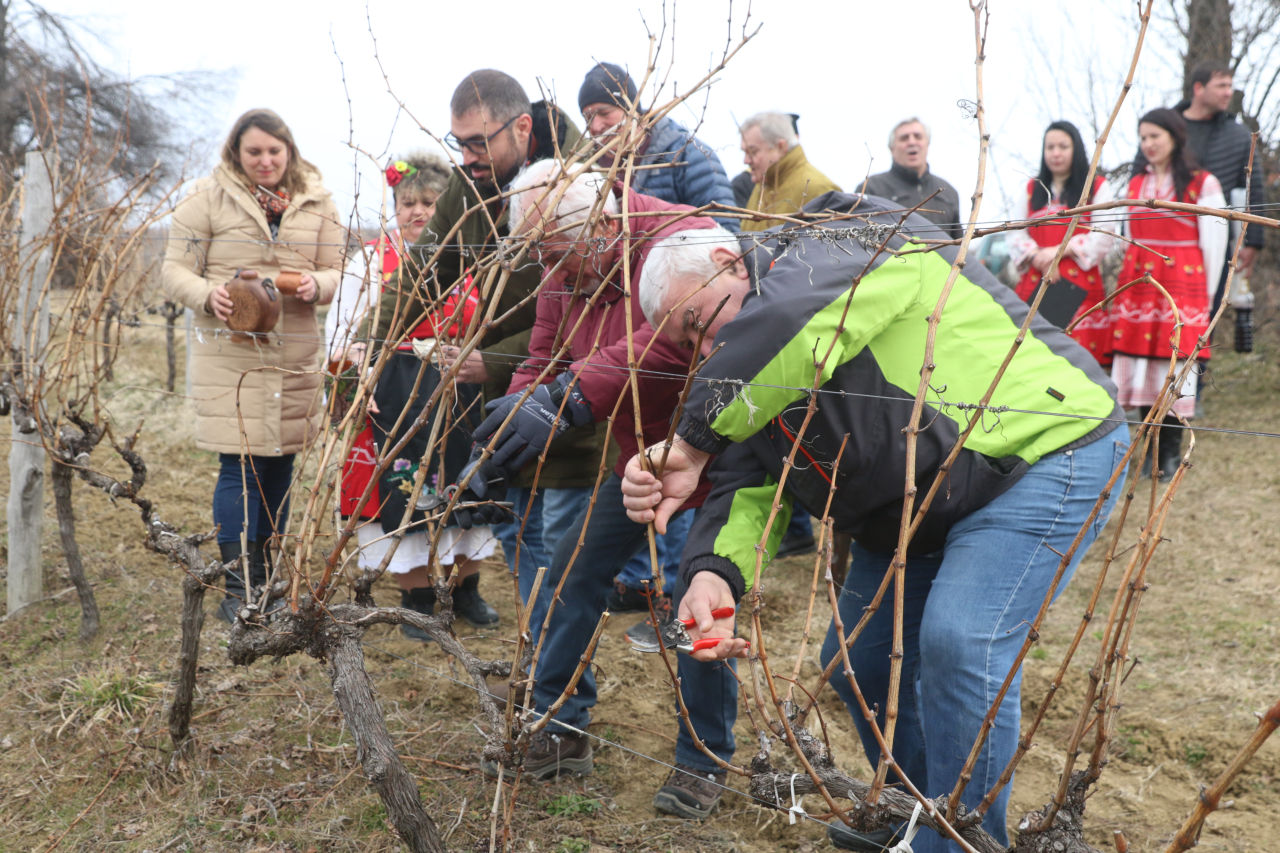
(706, 592)
(1043, 257)
(472, 369)
(1244, 263)
(308, 291)
(219, 302)
(649, 499)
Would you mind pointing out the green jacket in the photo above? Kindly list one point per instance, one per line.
(788, 185)
(470, 232)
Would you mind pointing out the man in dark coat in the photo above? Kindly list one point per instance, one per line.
(909, 181)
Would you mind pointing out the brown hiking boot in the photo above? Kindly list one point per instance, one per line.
(689, 793)
(550, 754)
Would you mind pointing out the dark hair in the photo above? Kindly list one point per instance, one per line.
(1208, 69)
(1182, 161)
(497, 93)
(1075, 180)
(295, 171)
(431, 175)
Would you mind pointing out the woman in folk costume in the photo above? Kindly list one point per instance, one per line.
(1181, 251)
(263, 210)
(416, 182)
(1064, 165)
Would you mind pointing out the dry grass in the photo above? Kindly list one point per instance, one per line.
(83, 742)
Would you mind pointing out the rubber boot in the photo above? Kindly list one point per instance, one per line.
(1170, 449)
(229, 552)
(421, 600)
(468, 604)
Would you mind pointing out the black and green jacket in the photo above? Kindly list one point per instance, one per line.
(752, 397)
(469, 233)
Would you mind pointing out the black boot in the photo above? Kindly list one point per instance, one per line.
(1170, 448)
(421, 600)
(229, 552)
(259, 571)
(468, 604)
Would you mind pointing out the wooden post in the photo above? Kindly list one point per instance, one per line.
(191, 331)
(26, 453)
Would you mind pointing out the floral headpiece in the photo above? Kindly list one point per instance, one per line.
(398, 171)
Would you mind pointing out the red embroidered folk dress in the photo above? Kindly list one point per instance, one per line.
(1184, 253)
(1143, 318)
(358, 469)
(1080, 266)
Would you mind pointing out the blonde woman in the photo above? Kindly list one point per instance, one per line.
(258, 401)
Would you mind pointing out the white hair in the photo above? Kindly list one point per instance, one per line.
(893, 134)
(575, 198)
(773, 127)
(679, 263)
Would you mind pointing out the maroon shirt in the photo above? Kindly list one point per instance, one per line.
(602, 372)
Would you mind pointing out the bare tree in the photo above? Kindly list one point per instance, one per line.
(53, 91)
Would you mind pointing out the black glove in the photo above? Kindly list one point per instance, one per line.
(534, 424)
(479, 503)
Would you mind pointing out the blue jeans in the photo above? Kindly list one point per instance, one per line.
(554, 511)
(966, 613)
(670, 547)
(710, 690)
(264, 486)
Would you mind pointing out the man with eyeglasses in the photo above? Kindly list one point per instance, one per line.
(584, 244)
(496, 130)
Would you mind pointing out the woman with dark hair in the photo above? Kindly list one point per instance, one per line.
(258, 402)
(1183, 253)
(1064, 165)
(416, 183)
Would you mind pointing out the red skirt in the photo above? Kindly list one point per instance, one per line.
(1142, 315)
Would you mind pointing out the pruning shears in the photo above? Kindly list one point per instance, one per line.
(675, 635)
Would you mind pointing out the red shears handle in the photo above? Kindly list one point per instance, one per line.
(718, 613)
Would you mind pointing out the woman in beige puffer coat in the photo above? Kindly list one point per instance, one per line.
(258, 401)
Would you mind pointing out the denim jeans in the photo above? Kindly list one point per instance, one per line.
(554, 511)
(670, 545)
(264, 486)
(966, 613)
(710, 690)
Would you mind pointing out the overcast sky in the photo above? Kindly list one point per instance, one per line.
(851, 70)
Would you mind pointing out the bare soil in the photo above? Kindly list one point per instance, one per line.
(275, 770)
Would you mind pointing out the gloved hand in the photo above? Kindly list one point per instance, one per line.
(481, 501)
(535, 422)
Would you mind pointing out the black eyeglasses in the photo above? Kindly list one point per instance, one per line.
(476, 144)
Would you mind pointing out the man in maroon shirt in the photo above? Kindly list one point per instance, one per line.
(587, 234)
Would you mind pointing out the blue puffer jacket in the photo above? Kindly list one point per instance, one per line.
(695, 177)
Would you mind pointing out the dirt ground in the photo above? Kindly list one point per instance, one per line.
(86, 764)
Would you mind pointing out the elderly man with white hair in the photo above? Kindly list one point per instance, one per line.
(986, 554)
(785, 180)
(578, 367)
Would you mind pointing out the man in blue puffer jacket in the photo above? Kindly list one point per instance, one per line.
(671, 164)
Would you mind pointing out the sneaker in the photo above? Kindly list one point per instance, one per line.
(792, 546)
(689, 793)
(875, 841)
(626, 599)
(642, 634)
(550, 754)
